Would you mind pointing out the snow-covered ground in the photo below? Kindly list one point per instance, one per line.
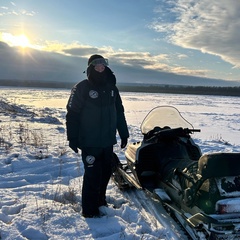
(41, 178)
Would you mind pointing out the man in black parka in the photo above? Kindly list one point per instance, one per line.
(94, 114)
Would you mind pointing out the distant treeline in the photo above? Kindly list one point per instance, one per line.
(37, 84)
(197, 90)
(149, 88)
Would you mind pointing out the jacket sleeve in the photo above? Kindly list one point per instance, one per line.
(72, 124)
(74, 105)
(121, 120)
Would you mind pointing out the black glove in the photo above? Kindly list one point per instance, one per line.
(124, 142)
(73, 144)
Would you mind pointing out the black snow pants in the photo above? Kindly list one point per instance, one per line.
(98, 169)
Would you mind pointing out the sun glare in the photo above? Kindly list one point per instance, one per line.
(20, 40)
(23, 41)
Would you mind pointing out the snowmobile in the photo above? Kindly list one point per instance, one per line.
(202, 192)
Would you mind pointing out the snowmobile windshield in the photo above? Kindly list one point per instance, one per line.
(164, 116)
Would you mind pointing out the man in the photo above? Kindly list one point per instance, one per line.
(94, 114)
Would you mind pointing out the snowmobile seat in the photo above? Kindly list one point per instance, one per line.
(219, 165)
(148, 158)
(147, 165)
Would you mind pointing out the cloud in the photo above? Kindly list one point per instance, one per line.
(139, 60)
(86, 51)
(14, 10)
(209, 26)
(129, 67)
(32, 64)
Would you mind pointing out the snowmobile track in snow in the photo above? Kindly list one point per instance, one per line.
(154, 212)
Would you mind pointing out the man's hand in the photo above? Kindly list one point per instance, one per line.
(124, 142)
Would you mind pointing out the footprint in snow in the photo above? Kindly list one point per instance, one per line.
(7, 212)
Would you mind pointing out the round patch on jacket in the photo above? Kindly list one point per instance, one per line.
(90, 159)
(93, 94)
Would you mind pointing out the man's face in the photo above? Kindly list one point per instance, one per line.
(99, 67)
(100, 64)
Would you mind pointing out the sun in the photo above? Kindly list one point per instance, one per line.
(22, 41)
(17, 40)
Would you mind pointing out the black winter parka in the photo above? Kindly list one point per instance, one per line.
(95, 113)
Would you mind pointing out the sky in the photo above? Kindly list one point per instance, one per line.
(185, 42)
